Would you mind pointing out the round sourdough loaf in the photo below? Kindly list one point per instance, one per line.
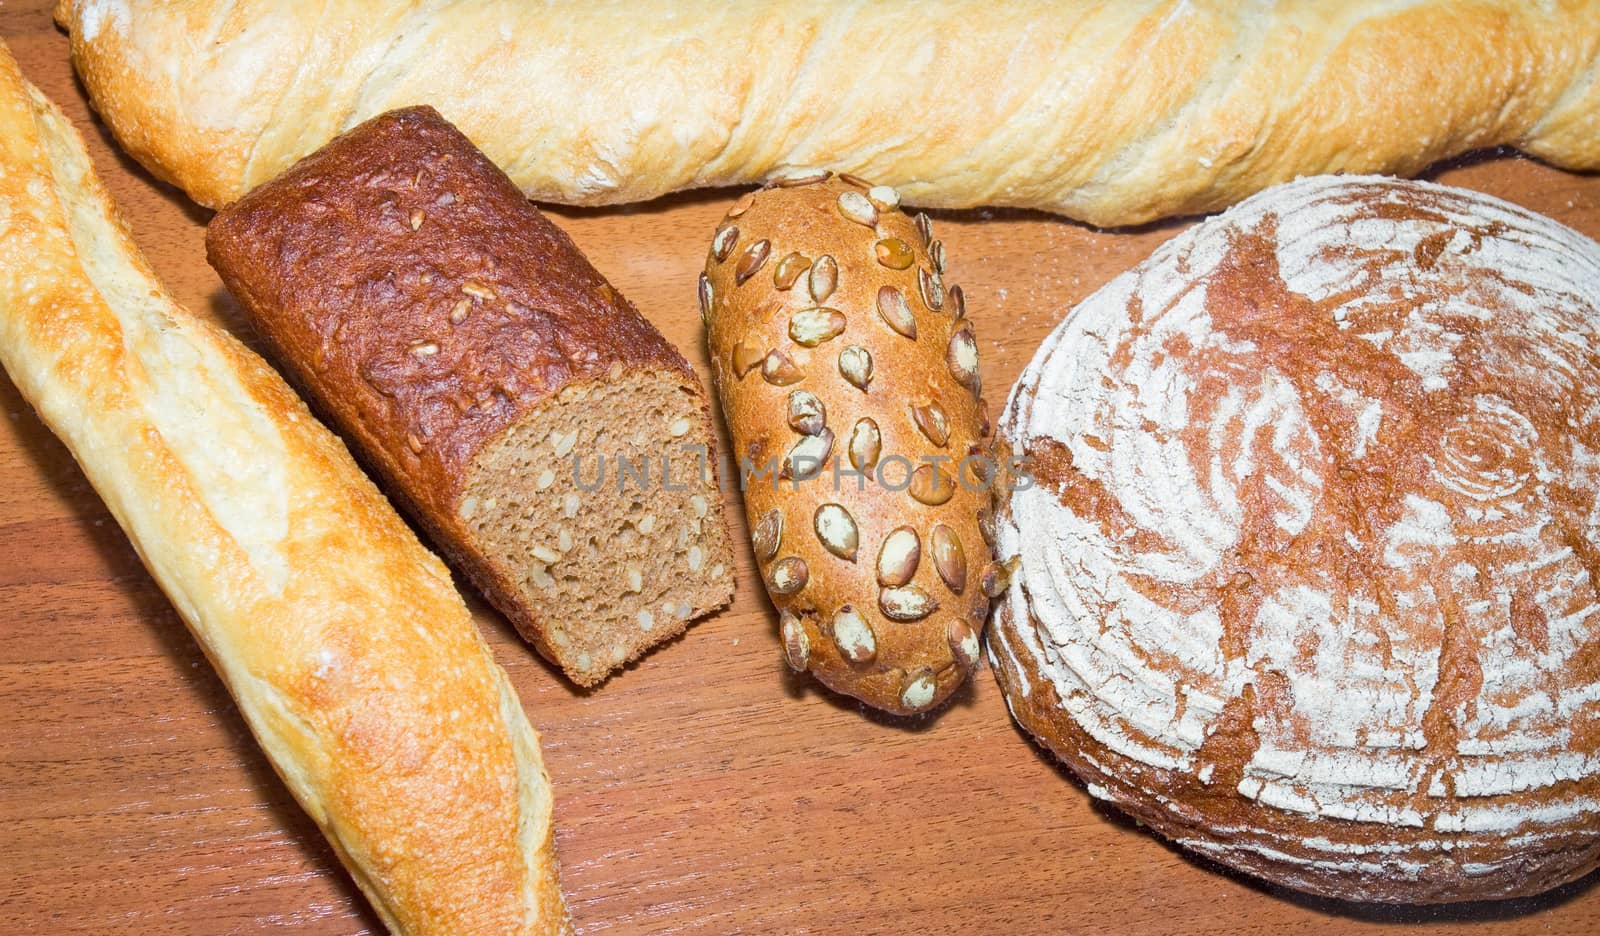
(1309, 564)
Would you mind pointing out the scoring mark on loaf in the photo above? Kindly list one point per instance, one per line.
(1341, 526)
(249, 498)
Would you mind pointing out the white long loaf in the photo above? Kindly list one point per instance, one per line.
(349, 651)
(1110, 112)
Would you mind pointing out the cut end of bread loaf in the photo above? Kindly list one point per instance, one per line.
(601, 513)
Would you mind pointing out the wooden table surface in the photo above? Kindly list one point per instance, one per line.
(707, 790)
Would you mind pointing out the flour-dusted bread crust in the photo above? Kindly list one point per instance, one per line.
(496, 382)
(1309, 572)
(848, 375)
(1110, 112)
(351, 656)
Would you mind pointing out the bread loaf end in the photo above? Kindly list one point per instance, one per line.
(549, 439)
(600, 515)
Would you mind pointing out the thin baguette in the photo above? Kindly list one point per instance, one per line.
(350, 653)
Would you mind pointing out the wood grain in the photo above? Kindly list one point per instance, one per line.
(704, 791)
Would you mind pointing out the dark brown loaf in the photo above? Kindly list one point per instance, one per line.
(471, 353)
(834, 342)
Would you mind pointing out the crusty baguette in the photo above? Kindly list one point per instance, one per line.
(1110, 111)
(848, 376)
(477, 360)
(349, 652)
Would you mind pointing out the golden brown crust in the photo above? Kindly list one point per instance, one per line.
(829, 324)
(1113, 113)
(350, 654)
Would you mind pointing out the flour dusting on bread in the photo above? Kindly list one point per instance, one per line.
(1313, 522)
